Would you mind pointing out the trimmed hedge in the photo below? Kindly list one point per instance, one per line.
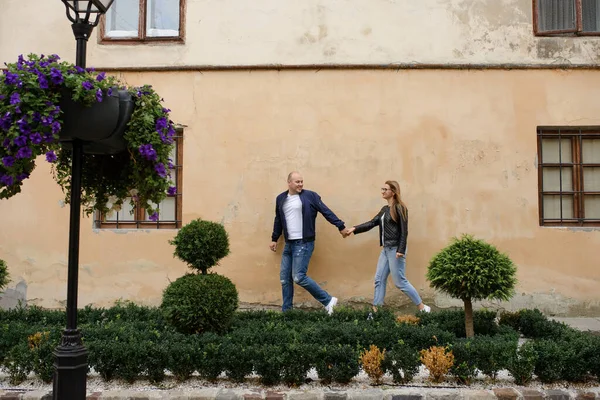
(130, 342)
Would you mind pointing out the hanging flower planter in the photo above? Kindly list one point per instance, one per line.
(126, 133)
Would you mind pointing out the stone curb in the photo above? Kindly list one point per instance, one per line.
(407, 393)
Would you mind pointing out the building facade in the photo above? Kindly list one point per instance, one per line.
(485, 111)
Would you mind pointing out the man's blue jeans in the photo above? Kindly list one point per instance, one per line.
(294, 266)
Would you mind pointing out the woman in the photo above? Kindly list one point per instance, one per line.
(393, 231)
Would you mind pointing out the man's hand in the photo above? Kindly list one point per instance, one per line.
(347, 232)
(398, 255)
(273, 246)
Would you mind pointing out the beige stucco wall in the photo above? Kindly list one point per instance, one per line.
(461, 143)
(289, 32)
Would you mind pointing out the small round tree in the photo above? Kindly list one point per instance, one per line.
(471, 269)
(3, 275)
(200, 301)
(201, 244)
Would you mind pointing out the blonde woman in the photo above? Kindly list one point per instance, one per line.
(392, 220)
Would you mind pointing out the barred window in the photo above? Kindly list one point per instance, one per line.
(560, 17)
(169, 216)
(569, 176)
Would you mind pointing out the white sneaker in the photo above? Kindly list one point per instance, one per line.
(426, 308)
(331, 304)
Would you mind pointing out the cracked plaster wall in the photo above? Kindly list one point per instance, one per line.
(291, 32)
(462, 144)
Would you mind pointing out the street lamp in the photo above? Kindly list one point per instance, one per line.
(70, 367)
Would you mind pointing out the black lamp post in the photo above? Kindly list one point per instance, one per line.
(71, 356)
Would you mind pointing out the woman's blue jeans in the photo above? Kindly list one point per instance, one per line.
(389, 264)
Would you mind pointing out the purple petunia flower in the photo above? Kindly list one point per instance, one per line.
(79, 70)
(7, 180)
(23, 126)
(20, 59)
(171, 166)
(5, 121)
(21, 177)
(6, 143)
(166, 110)
(99, 95)
(109, 92)
(51, 156)
(87, 85)
(55, 112)
(56, 127)
(24, 152)
(20, 141)
(15, 98)
(44, 64)
(8, 161)
(35, 138)
(101, 76)
(56, 76)
(53, 58)
(161, 170)
(153, 217)
(11, 79)
(43, 82)
(161, 124)
(172, 191)
(48, 137)
(47, 121)
(148, 152)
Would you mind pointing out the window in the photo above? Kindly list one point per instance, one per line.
(569, 176)
(143, 20)
(573, 17)
(169, 209)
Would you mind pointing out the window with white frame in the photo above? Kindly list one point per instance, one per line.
(144, 20)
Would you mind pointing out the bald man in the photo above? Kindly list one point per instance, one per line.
(295, 215)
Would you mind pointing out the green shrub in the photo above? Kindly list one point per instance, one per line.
(471, 269)
(269, 364)
(491, 353)
(210, 364)
(535, 325)
(200, 303)
(423, 337)
(337, 363)
(185, 354)
(511, 319)
(454, 321)
(42, 346)
(156, 359)
(18, 363)
(465, 359)
(550, 361)
(521, 363)
(237, 360)
(402, 362)
(579, 349)
(4, 277)
(201, 244)
(298, 359)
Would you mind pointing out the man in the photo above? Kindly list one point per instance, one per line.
(295, 214)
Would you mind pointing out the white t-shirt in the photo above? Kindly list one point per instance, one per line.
(292, 209)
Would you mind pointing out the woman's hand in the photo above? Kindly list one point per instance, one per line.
(398, 255)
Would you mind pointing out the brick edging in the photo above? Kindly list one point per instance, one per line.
(405, 393)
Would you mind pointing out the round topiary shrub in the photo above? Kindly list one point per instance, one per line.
(3, 275)
(201, 244)
(471, 269)
(200, 303)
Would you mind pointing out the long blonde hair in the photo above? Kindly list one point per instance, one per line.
(395, 188)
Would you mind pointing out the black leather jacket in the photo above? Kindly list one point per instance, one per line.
(394, 233)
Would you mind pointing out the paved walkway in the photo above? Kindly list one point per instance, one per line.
(325, 394)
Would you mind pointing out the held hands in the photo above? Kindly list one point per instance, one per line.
(347, 232)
